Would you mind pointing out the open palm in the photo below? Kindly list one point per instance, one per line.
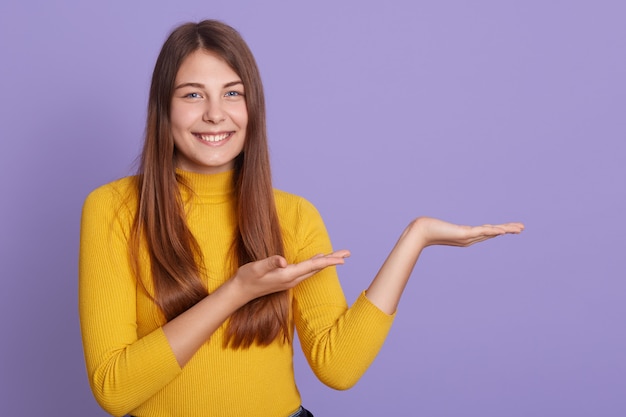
(438, 232)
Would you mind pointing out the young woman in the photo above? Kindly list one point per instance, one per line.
(194, 272)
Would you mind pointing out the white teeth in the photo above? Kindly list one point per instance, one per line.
(214, 138)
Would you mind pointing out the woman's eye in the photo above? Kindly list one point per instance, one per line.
(193, 95)
(233, 94)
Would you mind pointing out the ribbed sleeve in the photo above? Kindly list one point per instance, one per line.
(123, 371)
(339, 342)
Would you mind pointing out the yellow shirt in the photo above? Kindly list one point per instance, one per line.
(130, 365)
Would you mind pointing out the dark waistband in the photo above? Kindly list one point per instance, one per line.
(302, 412)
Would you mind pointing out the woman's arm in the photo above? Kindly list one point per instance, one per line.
(388, 285)
(187, 332)
(340, 342)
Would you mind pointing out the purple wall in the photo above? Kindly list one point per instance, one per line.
(482, 111)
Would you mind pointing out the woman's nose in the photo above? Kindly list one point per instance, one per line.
(213, 112)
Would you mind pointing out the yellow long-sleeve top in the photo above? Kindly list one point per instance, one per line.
(130, 364)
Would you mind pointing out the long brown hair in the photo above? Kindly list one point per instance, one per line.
(175, 257)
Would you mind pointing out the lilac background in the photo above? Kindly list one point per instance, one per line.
(472, 111)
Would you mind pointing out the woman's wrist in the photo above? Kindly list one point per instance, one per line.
(234, 291)
(415, 233)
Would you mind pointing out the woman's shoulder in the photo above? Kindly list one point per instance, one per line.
(301, 224)
(287, 202)
(295, 209)
(115, 194)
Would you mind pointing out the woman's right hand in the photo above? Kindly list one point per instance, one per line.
(187, 332)
(274, 274)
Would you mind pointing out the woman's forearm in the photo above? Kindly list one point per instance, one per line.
(387, 287)
(187, 332)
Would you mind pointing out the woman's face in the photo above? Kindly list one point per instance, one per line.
(208, 114)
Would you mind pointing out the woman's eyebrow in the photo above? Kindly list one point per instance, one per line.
(232, 83)
(195, 85)
(200, 85)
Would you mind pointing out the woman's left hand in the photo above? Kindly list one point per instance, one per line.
(431, 231)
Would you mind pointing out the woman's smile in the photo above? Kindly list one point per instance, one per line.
(213, 138)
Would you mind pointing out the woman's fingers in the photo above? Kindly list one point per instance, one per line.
(500, 229)
(342, 253)
(514, 227)
(319, 262)
(481, 233)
